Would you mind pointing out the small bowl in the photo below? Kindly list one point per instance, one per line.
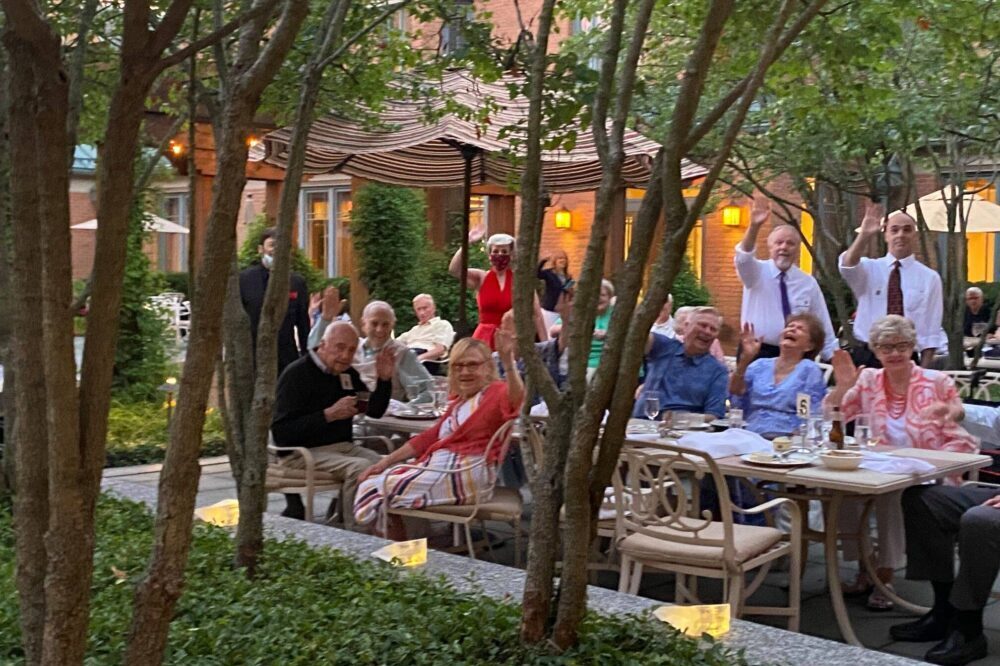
(842, 460)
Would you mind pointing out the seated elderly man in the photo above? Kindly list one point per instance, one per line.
(315, 405)
(935, 517)
(684, 375)
(410, 380)
(431, 337)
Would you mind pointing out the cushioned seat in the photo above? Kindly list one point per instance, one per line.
(506, 502)
(748, 541)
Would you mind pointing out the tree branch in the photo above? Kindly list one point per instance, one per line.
(177, 57)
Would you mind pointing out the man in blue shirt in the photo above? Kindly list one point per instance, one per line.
(683, 374)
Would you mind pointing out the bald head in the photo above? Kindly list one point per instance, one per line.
(783, 245)
(336, 348)
(900, 235)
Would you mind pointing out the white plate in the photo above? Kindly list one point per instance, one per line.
(696, 426)
(793, 460)
(416, 416)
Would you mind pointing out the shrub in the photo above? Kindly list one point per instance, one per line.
(687, 289)
(179, 282)
(316, 606)
(389, 228)
(137, 434)
(141, 354)
(315, 280)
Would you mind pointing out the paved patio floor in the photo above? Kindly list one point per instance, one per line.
(817, 615)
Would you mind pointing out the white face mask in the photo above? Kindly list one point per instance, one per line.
(267, 260)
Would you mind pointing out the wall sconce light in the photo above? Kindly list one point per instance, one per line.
(564, 218)
(176, 149)
(252, 141)
(732, 216)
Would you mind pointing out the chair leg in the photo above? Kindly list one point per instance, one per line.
(468, 541)
(794, 589)
(310, 500)
(624, 573)
(636, 578)
(735, 600)
(517, 542)
(680, 588)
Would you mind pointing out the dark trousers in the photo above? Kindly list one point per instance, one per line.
(937, 516)
(433, 367)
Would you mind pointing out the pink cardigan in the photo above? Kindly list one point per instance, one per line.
(867, 396)
(472, 437)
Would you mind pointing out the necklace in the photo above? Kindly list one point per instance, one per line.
(895, 403)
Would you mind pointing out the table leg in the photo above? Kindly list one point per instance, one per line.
(833, 571)
(865, 555)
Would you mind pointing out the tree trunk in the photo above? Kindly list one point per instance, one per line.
(7, 410)
(28, 432)
(157, 594)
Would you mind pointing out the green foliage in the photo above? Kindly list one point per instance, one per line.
(141, 354)
(312, 606)
(137, 433)
(687, 289)
(179, 282)
(389, 228)
(315, 280)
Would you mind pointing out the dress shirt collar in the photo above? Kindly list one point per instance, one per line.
(319, 362)
(905, 262)
(429, 322)
(696, 359)
(775, 271)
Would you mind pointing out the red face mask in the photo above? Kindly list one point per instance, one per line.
(500, 261)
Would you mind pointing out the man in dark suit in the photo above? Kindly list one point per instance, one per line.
(294, 331)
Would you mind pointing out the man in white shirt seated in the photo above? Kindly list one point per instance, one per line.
(894, 284)
(431, 338)
(776, 288)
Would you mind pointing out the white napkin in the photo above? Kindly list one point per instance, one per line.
(541, 409)
(881, 462)
(733, 442)
(395, 406)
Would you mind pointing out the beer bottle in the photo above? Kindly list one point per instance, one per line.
(837, 430)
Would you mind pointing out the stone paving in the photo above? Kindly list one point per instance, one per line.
(817, 616)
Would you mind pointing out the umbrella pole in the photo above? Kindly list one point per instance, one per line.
(468, 153)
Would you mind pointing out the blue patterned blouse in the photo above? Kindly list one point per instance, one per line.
(770, 408)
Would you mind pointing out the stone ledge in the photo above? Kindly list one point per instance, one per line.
(762, 644)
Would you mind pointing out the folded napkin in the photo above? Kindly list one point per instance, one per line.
(733, 442)
(881, 462)
(541, 409)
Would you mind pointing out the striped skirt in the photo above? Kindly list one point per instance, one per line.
(422, 487)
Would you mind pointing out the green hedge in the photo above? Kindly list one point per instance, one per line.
(312, 606)
(137, 434)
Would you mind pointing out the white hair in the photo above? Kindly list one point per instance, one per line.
(974, 290)
(606, 284)
(423, 296)
(500, 239)
(892, 326)
(375, 306)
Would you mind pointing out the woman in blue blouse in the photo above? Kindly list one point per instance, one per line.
(766, 388)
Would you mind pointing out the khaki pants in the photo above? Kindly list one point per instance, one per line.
(345, 461)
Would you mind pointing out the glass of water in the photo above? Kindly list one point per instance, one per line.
(815, 437)
(651, 408)
(735, 417)
(863, 431)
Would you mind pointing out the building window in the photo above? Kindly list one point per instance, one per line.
(453, 31)
(324, 234)
(695, 243)
(981, 248)
(172, 249)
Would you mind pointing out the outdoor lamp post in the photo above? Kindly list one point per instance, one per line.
(169, 386)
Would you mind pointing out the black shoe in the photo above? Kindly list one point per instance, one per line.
(930, 627)
(957, 650)
(296, 512)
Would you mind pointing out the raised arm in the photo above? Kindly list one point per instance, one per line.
(505, 348)
(749, 348)
(870, 226)
(759, 214)
(474, 276)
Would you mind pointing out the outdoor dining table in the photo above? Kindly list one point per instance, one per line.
(832, 487)
(398, 425)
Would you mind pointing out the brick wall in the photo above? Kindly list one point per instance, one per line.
(81, 240)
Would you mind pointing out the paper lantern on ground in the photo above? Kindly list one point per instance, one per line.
(711, 619)
(404, 553)
(224, 514)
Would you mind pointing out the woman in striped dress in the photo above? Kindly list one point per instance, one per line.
(480, 403)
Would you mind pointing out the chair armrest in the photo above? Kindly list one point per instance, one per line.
(981, 484)
(389, 446)
(306, 454)
(770, 504)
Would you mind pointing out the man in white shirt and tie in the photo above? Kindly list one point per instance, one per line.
(775, 288)
(894, 284)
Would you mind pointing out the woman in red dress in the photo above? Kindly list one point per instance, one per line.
(494, 287)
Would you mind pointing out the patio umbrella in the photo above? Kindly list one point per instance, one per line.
(412, 148)
(981, 215)
(157, 224)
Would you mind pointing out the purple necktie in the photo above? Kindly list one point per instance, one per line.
(786, 308)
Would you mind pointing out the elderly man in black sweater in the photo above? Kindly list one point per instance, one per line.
(315, 405)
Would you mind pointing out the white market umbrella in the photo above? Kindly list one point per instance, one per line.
(982, 216)
(157, 224)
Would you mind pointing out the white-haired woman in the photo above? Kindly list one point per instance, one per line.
(494, 287)
(909, 407)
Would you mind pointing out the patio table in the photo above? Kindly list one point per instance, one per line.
(832, 487)
(397, 425)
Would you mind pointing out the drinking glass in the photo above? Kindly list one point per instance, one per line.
(735, 417)
(652, 408)
(815, 438)
(863, 431)
(440, 400)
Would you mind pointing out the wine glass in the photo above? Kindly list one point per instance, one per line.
(863, 431)
(651, 408)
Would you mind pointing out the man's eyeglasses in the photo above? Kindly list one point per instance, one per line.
(901, 347)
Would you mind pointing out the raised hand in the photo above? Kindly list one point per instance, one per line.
(315, 299)
(749, 342)
(504, 343)
(385, 362)
(761, 209)
(871, 224)
(845, 373)
(477, 234)
(332, 305)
